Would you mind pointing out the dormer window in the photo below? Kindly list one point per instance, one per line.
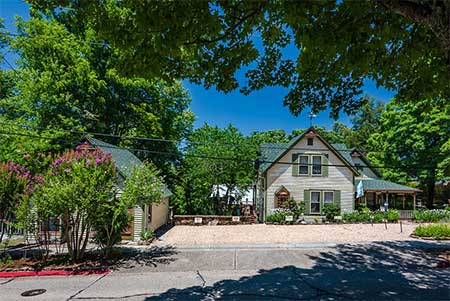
(310, 141)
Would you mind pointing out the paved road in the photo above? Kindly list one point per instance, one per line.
(374, 271)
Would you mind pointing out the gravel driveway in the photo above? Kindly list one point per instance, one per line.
(284, 234)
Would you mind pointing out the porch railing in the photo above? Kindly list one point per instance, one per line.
(406, 214)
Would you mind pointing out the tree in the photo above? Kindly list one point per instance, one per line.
(401, 45)
(16, 184)
(411, 142)
(67, 82)
(214, 158)
(78, 187)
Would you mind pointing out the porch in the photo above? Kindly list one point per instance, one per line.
(375, 193)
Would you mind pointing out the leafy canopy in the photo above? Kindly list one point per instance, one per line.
(401, 45)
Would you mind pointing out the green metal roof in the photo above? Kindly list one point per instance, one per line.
(382, 185)
(123, 159)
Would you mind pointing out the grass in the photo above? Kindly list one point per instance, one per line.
(438, 231)
(11, 243)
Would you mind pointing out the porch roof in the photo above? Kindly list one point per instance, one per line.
(375, 185)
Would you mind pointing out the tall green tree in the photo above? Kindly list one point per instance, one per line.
(411, 144)
(401, 45)
(214, 158)
(70, 82)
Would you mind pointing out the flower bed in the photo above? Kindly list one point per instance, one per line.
(431, 216)
(434, 231)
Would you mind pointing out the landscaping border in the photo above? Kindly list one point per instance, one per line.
(61, 272)
(212, 220)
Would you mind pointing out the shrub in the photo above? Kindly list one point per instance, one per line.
(392, 215)
(331, 210)
(147, 235)
(279, 216)
(16, 184)
(434, 231)
(370, 216)
(431, 216)
(78, 186)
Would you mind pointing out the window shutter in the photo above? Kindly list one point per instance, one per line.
(295, 165)
(322, 197)
(307, 199)
(325, 165)
(337, 197)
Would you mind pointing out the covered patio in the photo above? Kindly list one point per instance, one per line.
(376, 192)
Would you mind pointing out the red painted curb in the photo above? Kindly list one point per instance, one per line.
(52, 273)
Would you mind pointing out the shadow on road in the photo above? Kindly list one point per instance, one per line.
(132, 257)
(376, 271)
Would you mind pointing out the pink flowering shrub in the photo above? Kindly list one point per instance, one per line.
(77, 186)
(16, 184)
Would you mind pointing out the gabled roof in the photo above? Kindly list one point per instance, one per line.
(272, 152)
(347, 154)
(123, 159)
(382, 185)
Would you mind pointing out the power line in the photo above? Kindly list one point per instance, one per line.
(188, 141)
(74, 143)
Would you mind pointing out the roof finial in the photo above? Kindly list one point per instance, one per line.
(311, 116)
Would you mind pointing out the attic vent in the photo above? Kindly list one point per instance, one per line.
(310, 141)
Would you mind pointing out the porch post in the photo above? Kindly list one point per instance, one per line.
(404, 199)
(414, 201)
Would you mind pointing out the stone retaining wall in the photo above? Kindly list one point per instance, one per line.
(212, 220)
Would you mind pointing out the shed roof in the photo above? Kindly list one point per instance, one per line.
(382, 185)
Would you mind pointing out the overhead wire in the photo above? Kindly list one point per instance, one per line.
(73, 142)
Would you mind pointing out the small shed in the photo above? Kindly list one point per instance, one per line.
(145, 217)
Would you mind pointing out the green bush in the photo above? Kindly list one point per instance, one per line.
(147, 235)
(331, 210)
(392, 215)
(431, 216)
(279, 216)
(367, 216)
(434, 231)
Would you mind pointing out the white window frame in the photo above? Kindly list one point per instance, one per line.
(312, 166)
(300, 165)
(311, 201)
(332, 196)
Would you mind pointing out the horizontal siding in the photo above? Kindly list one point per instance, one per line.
(138, 214)
(339, 177)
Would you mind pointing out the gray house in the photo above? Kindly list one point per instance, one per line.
(310, 170)
(145, 216)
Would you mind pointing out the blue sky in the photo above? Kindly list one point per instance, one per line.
(259, 111)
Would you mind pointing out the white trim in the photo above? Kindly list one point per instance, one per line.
(310, 201)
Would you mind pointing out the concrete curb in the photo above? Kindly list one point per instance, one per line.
(17, 274)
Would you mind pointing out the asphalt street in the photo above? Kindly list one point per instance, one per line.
(370, 271)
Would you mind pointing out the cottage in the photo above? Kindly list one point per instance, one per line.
(310, 170)
(145, 216)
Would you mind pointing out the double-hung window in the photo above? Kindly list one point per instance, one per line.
(328, 197)
(303, 165)
(316, 165)
(315, 201)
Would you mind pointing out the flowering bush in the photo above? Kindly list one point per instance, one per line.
(16, 184)
(431, 216)
(79, 186)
